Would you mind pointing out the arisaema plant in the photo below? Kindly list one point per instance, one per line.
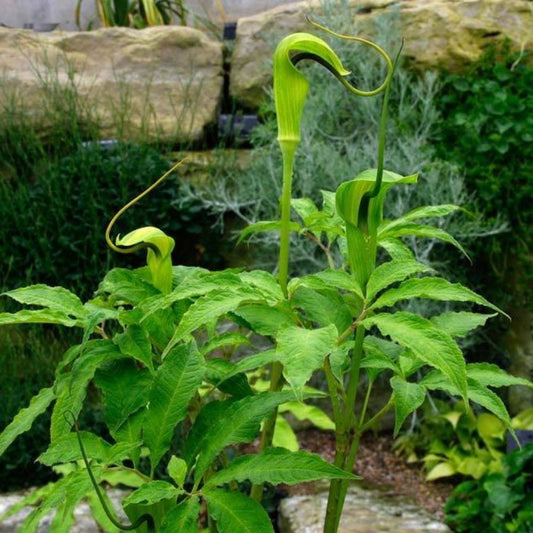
(171, 351)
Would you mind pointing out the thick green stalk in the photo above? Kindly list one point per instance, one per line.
(346, 431)
(276, 372)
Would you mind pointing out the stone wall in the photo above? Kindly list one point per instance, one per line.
(437, 33)
(170, 78)
(163, 82)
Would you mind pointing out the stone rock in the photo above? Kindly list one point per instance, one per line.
(161, 83)
(365, 511)
(437, 33)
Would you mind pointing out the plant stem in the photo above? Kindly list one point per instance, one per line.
(345, 451)
(276, 372)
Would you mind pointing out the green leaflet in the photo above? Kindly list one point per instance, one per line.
(234, 512)
(397, 250)
(209, 308)
(491, 375)
(459, 324)
(432, 288)
(65, 449)
(54, 298)
(74, 486)
(71, 388)
(392, 272)
(265, 225)
(278, 465)
(177, 470)
(327, 279)
(183, 518)
(428, 211)
(267, 285)
(125, 388)
(420, 230)
(221, 423)
(152, 492)
(38, 316)
(230, 339)
(236, 385)
(429, 344)
(312, 413)
(128, 286)
(284, 436)
(407, 398)
(323, 307)
(24, 419)
(302, 351)
(197, 283)
(175, 383)
(136, 343)
(263, 319)
(477, 392)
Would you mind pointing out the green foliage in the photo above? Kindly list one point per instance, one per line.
(454, 443)
(487, 129)
(496, 502)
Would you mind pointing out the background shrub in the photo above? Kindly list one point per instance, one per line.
(54, 224)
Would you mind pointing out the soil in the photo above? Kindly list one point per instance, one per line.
(381, 467)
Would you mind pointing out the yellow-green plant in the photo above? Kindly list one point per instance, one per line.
(136, 13)
(158, 344)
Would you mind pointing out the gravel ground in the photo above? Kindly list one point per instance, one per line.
(379, 466)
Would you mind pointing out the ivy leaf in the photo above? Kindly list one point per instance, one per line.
(233, 511)
(429, 344)
(175, 383)
(433, 289)
(407, 398)
(278, 465)
(183, 518)
(302, 351)
(459, 324)
(25, 417)
(221, 423)
(392, 272)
